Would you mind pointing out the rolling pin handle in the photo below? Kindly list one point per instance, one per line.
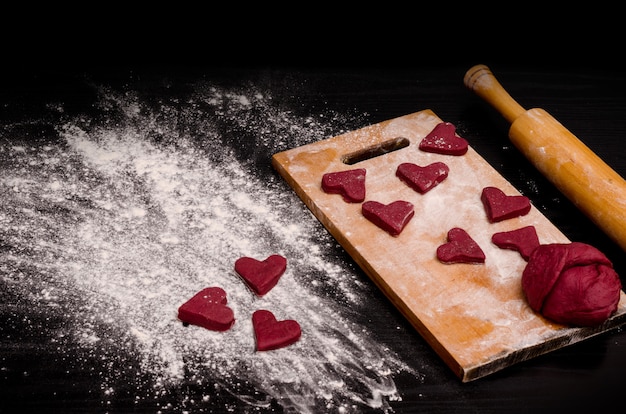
(480, 80)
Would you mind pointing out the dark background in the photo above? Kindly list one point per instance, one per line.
(386, 71)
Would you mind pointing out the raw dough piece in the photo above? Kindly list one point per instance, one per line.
(350, 184)
(261, 276)
(208, 309)
(422, 179)
(272, 334)
(460, 248)
(524, 240)
(571, 283)
(443, 140)
(392, 217)
(500, 206)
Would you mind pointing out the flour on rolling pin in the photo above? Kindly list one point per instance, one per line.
(474, 316)
(591, 184)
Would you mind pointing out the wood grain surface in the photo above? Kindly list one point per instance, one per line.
(474, 316)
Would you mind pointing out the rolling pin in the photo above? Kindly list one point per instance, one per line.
(593, 186)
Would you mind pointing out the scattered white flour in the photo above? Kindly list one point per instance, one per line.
(121, 221)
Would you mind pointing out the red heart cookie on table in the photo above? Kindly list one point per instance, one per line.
(271, 333)
(392, 217)
(207, 309)
(350, 184)
(500, 206)
(460, 248)
(443, 140)
(261, 276)
(524, 240)
(422, 179)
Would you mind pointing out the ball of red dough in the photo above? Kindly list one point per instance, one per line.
(571, 283)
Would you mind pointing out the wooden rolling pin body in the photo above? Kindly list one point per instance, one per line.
(592, 185)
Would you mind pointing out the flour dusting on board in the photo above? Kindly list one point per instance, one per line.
(121, 221)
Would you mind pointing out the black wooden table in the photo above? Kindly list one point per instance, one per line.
(82, 154)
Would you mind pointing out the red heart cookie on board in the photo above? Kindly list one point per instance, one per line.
(208, 309)
(422, 179)
(350, 184)
(261, 276)
(392, 217)
(443, 140)
(460, 248)
(524, 240)
(500, 206)
(271, 333)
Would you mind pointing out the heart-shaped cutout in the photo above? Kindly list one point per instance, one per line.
(261, 276)
(524, 240)
(500, 206)
(460, 248)
(392, 217)
(207, 309)
(350, 184)
(273, 334)
(422, 179)
(443, 140)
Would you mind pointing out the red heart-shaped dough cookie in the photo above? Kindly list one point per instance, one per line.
(422, 179)
(392, 217)
(460, 248)
(350, 184)
(524, 240)
(261, 276)
(443, 140)
(271, 333)
(208, 309)
(500, 206)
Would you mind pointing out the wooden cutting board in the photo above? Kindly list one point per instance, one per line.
(473, 315)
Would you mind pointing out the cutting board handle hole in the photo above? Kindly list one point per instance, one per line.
(375, 151)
